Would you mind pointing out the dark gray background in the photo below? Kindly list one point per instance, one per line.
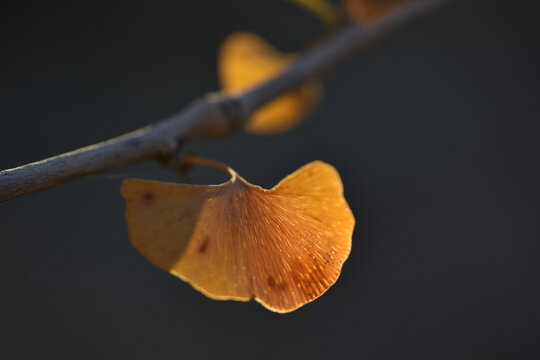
(435, 135)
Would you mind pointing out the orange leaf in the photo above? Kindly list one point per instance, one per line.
(283, 247)
(245, 60)
(369, 10)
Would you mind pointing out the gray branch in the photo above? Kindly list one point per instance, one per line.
(214, 116)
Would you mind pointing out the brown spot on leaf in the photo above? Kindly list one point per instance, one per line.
(282, 286)
(204, 245)
(148, 198)
(271, 281)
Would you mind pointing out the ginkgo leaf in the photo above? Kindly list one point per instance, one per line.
(245, 60)
(283, 247)
(369, 10)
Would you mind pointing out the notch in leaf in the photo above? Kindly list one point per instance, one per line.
(246, 60)
(283, 247)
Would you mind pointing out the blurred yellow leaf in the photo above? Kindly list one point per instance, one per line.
(369, 10)
(322, 9)
(283, 247)
(245, 60)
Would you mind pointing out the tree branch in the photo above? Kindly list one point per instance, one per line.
(214, 116)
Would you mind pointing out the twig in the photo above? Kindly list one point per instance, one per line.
(215, 115)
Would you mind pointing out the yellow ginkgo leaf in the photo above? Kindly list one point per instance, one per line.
(245, 60)
(283, 247)
(369, 10)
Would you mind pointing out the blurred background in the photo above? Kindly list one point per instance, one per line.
(435, 135)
